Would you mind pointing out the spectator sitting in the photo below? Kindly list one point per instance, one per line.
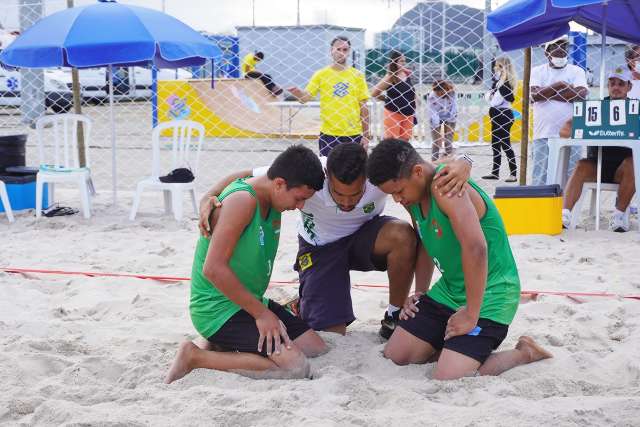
(249, 71)
(443, 109)
(617, 164)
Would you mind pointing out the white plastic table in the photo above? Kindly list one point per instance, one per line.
(293, 108)
(558, 160)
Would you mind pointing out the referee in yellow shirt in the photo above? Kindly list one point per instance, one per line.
(343, 100)
(249, 63)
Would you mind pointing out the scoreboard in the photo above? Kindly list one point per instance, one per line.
(606, 119)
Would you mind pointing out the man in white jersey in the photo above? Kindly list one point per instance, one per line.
(341, 229)
(554, 87)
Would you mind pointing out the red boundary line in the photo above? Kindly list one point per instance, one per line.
(279, 282)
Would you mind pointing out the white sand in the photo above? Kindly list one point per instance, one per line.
(93, 351)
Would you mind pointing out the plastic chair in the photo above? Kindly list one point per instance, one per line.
(588, 188)
(64, 165)
(184, 135)
(4, 197)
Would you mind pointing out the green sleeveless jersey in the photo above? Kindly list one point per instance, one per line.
(502, 292)
(252, 262)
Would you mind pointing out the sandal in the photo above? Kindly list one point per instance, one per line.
(490, 176)
(59, 211)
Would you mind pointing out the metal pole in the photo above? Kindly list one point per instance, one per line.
(77, 107)
(298, 14)
(486, 60)
(602, 83)
(442, 49)
(524, 138)
(420, 53)
(253, 13)
(114, 178)
(603, 48)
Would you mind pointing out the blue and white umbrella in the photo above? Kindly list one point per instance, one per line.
(109, 34)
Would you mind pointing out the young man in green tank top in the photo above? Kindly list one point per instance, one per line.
(467, 312)
(231, 271)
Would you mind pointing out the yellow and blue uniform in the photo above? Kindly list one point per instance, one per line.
(341, 93)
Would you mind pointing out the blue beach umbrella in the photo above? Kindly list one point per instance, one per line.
(109, 34)
(522, 23)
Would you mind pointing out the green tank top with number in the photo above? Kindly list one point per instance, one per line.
(252, 262)
(502, 292)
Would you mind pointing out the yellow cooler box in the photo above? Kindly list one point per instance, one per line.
(532, 209)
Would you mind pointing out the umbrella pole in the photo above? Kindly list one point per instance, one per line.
(603, 51)
(524, 139)
(114, 175)
(77, 109)
(602, 83)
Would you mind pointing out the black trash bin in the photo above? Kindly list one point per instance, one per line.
(12, 151)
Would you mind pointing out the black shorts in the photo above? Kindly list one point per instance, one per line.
(326, 143)
(240, 333)
(325, 283)
(431, 321)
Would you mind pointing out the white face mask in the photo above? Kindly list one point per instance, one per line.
(637, 67)
(497, 75)
(559, 62)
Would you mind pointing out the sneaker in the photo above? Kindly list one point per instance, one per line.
(566, 218)
(511, 178)
(619, 222)
(490, 176)
(389, 324)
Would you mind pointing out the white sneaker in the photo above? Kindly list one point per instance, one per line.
(566, 218)
(619, 222)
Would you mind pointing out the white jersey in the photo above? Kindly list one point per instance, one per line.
(322, 222)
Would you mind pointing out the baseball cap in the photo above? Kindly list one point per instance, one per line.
(621, 73)
(561, 39)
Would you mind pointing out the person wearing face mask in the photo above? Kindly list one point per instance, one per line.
(554, 87)
(632, 57)
(500, 98)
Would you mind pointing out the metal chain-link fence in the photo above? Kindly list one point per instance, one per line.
(431, 76)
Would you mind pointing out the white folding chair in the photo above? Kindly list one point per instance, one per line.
(63, 165)
(4, 197)
(186, 136)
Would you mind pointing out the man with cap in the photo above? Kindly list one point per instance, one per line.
(617, 164)
(554, 87)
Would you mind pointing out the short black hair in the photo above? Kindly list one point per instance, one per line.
(347, 162)
(391, 159)
(258, 55)
(341, 38)
(298, 166)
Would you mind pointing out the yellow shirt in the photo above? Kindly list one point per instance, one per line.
(248, 63)
(340, 95)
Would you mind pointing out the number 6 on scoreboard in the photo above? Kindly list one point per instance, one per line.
(617, 113)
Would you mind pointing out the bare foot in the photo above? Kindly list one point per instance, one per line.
(181, 365)
(532, 349)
